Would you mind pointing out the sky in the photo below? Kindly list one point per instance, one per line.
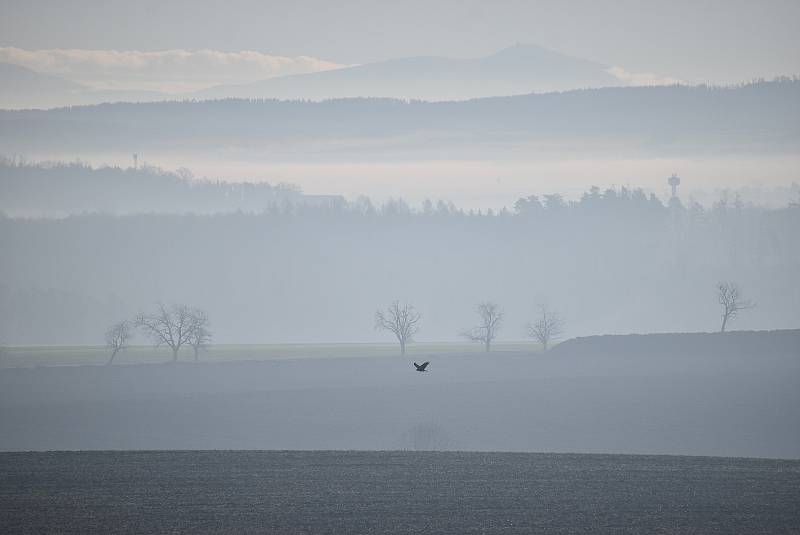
(693, 40)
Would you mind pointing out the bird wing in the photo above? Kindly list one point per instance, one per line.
(425, 364)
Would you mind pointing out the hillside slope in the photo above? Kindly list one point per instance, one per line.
(23, 88)
(518, 69)
(730, 344)
(756, 117)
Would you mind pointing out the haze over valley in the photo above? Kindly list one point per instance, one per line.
(399, 267)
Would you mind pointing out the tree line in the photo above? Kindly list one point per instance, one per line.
(667, 116)
(59, 188)
(176, 326)
(404, 321)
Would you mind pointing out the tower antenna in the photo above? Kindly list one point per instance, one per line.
(674, 181)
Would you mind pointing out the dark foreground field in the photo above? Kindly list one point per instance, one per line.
(394, 492)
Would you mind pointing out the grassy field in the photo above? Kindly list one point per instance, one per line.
(292, 492)
(31, 356)
(629, 395)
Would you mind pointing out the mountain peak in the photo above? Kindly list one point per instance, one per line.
(524, 50)
(536, 54)
(20, 78)
(517, 69)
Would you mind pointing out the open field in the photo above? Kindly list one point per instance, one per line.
(31, 356)
(737, 400)
(394, 492)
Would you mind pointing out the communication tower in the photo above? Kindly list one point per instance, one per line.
(674, 181)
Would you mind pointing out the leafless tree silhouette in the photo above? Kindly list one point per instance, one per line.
(731, 302)
(491, 320)
(402, 320)
(117, 337)
(549, 327)
(170, 326)
(200, 336)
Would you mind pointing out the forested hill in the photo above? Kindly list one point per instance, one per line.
(318, 274)
(54, 189)
(757, 116)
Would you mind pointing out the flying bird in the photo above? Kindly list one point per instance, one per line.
(421, 367)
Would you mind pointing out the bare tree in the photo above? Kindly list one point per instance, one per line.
(117, 337)
(491, 320)
(549, 327)
(199, 336)
(170, 326)
(731, 301)
(402, 320)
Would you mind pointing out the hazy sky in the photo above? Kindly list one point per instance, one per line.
(694, 40)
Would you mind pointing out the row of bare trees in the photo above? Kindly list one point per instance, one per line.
(173, 326)
(403, 321)
(176, 326)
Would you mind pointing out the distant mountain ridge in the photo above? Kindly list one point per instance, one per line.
(22, 88)
(762, 116)
(519, 69)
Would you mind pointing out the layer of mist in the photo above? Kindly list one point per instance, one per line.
(614, 261)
